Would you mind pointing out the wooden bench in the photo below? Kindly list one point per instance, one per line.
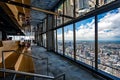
(16, 61)
(25, 63)
(9, 57)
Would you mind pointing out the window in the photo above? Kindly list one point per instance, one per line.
(59, 41)
(109, 42)
(85, 50)
(68, 36)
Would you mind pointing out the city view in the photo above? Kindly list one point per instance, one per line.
(108, 41)
(108, 54)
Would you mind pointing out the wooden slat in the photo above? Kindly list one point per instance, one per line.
(9, 56)
(24, 63)
(18, 62)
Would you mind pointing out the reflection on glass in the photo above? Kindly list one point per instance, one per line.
(44, 40)
(68, 36)
(84, 6)
(59, 18)
(68, 9)
(59, 41)
(85, 50)
(109, 42)
(55, 40)
(103, 2)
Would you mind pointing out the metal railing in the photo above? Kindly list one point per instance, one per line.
(34, 57)
(32, 74)
(4, 70)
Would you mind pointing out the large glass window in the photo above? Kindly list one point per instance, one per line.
(85, 49)
(109, 42)
(59, 41)
(68, 36)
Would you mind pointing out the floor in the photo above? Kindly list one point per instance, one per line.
(58, 65)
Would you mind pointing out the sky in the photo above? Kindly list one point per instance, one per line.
(108, 27)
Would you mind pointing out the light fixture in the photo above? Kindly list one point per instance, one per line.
(1, 44)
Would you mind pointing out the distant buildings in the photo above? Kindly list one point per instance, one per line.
(108, 56)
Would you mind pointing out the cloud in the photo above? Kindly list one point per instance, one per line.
(108, 28)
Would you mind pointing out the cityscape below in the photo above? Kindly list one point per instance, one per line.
(108, 54)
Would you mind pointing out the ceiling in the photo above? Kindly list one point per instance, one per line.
(9, 21)
(37, 17)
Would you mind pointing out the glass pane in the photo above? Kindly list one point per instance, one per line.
(85, 49)
(84, 6)
(59, 41)
(109, 42)
(68, 34)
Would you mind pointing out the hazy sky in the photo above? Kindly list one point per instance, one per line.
(108, 27)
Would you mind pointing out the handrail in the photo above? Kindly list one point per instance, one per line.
(59, 76)
(4, 70)
(26, 73)
(14, 77)
(32, 74)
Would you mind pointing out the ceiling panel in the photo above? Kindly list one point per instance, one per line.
(44, 4)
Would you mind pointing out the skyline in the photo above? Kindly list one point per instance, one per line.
(108, 27)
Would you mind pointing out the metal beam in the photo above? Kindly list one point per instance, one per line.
(34, 8)
(26, 73)
(74, 31)
(63, 36)
(96, 37)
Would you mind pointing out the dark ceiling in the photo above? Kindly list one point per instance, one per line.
(44, 4)
(9, 25)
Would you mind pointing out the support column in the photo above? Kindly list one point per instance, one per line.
(74, 31)
(50, 34)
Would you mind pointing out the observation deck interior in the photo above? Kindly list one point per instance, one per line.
(59, 40)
